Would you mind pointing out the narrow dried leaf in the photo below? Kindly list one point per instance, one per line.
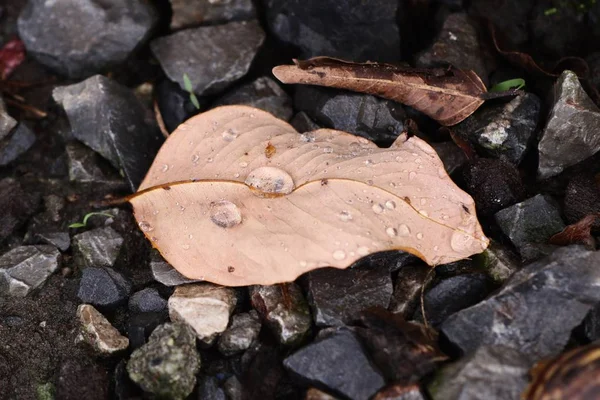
(12, 54)
(577, 233)
(447, 95)
(221, 208)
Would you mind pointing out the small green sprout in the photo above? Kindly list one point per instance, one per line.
(550, 11)
(187, 83)
(87, 216)
(509, 84)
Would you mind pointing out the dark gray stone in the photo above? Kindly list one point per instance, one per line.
(175, 104)
(82, 163)
(582, 198)
(368, 116)
(208, 389)
(60, 240)
(339, 363)
(212, 56)
(242, 333)
(450, 154)
(488, 373)
(166, 366)
(534, 220)
(591, 324)
(498, 261)
(263, 93)
(26, 268)
(537, 308)
(7, 123)
(17, 143)
(98, 247)
(164, 273)
(147, 300)
(456, 44)
(129, 139)
(338, 296)
(503, 131)
(302, 123)
(288, 316)
(191, 13)
(79, 38)
(233, 388)
(16, 204)
(407, 290)
(140, 326)
(570, 135)
(349, 29)
(511, 17)
(454, 294)
(103, 287)
(400, 392)
(569, 39)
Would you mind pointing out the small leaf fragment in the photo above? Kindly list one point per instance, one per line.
(517, 83)
(577, 233)
(187, 83)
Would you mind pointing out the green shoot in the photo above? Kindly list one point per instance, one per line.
(87, 216)
(509, 84)
(550, 11)
(187, 83)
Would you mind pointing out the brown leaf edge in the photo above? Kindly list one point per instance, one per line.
(577, 233)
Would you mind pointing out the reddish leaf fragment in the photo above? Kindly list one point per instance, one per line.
(577, 233)
(11, 56)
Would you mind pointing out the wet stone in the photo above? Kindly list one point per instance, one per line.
(204, 307)
(566, 283)
(26, 268)
(7, 123)
(570, 133)
(147, 300)
(556, 43)
(17, 206)
(337, 362)
(129, 140)
(167, 365)
(233, 388)
(346, 29)
(60, 240)
(532, 221)
(98, 332)
(493, 184)
(451, 155)
(368, 116)
(208, 389)
(98, 247)
(591, 324)
(407, 290)
(164, 273)
(338, 296)
(490, 372)
(503, 131)
(400, 392)
(79, 38)
(454, 294)
(16, 143)
(456, 44)
(103, 287)
(242, 333)
(287, 315)
(83, 165)
(263, 93)
(175, 104)
(582, 198)
(208, 12)
(302, 123)
(498, 261)
(140, 326)
(212, 56)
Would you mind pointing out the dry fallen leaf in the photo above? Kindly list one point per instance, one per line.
(447, 95)
(220, 208)
(578, 233)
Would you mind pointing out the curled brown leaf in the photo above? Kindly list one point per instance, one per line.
(577, 233)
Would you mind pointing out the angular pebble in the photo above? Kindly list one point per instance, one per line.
(82, 163)
(209, 389)
(407, 290)
(103, 287)
(491, 372)
(503, 131)
(451, 155)
(7, 123)
(534, 220)
(212, 56)
(348, 29)
(129, 140)
(17, 206)
(551, 296)
(582, 198)
(26, 268)
(208, 12)
(263, 93)
(164, 273)
(98, 332)
(242, 333)
(147, 300)
(79, 38)
(98, 247)
(204, 307)
(286, 314)
(338, 296)
(166, 366)
(498, 261)
(338, 363)
(570, 133)
(16, 143)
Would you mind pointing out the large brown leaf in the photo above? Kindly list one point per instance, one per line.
(446, 95)
(236, 196)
